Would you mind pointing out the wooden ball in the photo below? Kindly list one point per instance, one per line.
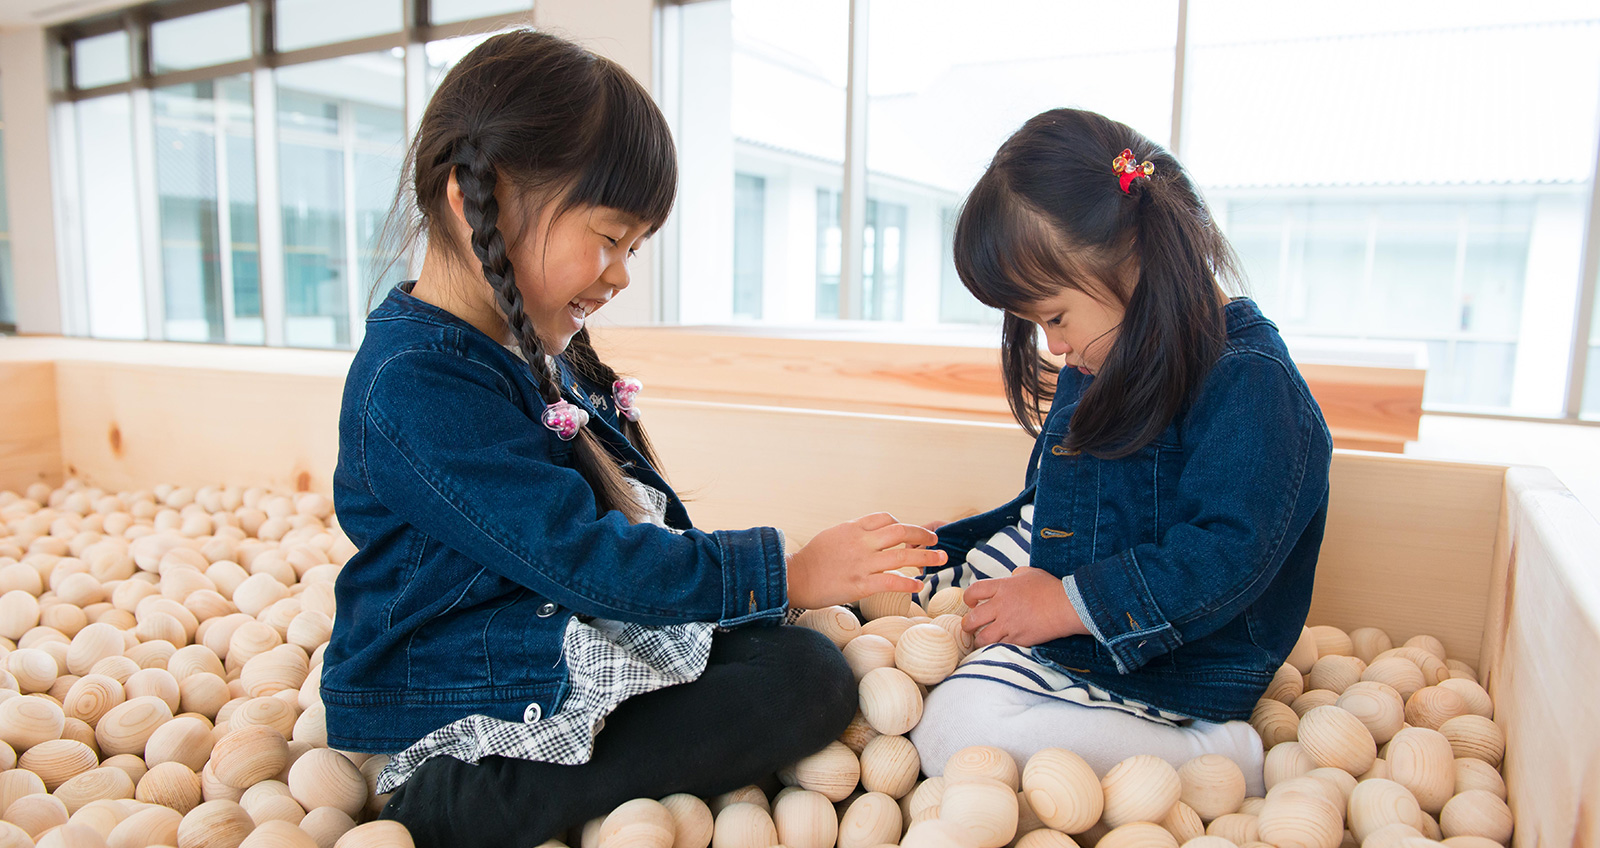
(1286, 761)
(839, 624)
(857, 734)
(982, 762)
(1377, 706)
(1477, 813)
(1047, 838)
(745, 826)
(147, 826)
(1390, 836)
(1367, 643)
(805, 819)
(889, 627)
(1063, 790)
(948, 601)
(1476, 697)
(268, 712)
(26, 722)
(325, 778)
(883, 604)
(1287, 684)
(1469, 842)
(1427, 643)
(937, 833)
(91, 697)
(1434, 670)
(1396, 672)
(1209, 842)
(1275, 721)
(1212, 785)
(1335, 672)
(640, 823)
(104, 783)
(1183, 823)
(310, 629)
(873, 819)
(194, 659)
(1337, 739)
(132, 764)
(890, 701)
(36, 814)
(249, 640)
(248, 755)
(278, 834)
(743, 795)
(19, 613)
(170, 784)
(1140, 789)
(986, 807)
(155, 682)
(1432, 706)
(1473, 773)
(283, 667)
(215, 824)
(867, 652)
(1140, 834)
(1476, 737)
(93, 643)
(927, 795)
(326, 825)
(834, 771)
(203, 693)
(1301, 820)
(127, 727)
(116, 668)
(1423, 762)
(1313, 698)
(35, 669)
(927, 654)
(1332, 641)
(58, 760)
(889, 765)
(1378, 803)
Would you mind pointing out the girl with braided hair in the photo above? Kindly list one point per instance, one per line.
(532, 627)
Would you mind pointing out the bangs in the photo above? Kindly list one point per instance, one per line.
(1006, 254)
(633, 167)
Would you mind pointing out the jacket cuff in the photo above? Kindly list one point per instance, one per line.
(755, 576)
(1117, 608)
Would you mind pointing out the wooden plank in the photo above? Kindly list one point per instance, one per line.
(1409, 548)
(1367, 408)
(133, 426)
(30, 438)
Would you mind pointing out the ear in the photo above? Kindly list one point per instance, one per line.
(457, 200)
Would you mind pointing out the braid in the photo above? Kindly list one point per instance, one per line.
(582, 356)
(476, 175)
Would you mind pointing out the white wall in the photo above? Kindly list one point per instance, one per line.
(24, 90)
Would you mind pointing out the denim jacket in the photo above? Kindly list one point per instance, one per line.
(479, 541)
(1190, 561)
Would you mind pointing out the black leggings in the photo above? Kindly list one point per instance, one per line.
(769, 696)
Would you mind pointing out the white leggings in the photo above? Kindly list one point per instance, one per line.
(962, 713)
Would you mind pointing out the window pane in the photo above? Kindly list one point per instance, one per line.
(341, 138)
(204, 155)
(760, 90)
(308, 23)
(749, 228)
(195, 41)
(110, 218)
(443, 55)
(1371, 170)
(949, 80)
(449, 11)
(101, 60)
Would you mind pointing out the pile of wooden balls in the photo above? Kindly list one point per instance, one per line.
(1369, 746)
(159, 659)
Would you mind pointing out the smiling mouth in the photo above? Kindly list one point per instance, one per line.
(581, 309)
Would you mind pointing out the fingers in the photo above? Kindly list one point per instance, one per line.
(988, 636)
(935, 525)
(979, 618)
(903, 534)
(876, 521)
(918, 558)
(888, 581)
(982, 590)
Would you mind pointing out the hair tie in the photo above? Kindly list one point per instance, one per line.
(1128, 169)
(565, 419)
(626, 393)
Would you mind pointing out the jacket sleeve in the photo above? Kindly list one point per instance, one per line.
(1256, 474)
(449, 452)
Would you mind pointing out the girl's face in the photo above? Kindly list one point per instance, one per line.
(1077, 326)
(572, 266)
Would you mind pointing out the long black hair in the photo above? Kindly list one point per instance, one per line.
(1050, 213)
(532, 121)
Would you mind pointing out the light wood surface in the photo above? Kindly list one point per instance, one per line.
(30, 442)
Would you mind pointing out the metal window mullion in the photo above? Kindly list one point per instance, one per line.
(74, 291)
(1583, 326)
(224, 214)
(269, 207)
(147, 198)
(1180, 67)
(853, 200)
(352, 261)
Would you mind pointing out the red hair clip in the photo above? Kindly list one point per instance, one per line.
(1128, 169)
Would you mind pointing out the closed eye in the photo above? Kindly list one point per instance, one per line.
(1056, 321)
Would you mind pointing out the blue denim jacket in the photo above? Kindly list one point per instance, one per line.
(479, 541)
(1190, 561)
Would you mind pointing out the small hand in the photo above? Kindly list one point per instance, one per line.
(1028, 608)
(850, 561)
(934, 525)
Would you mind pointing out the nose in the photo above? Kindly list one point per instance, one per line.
(1058, 347)
(616, 275)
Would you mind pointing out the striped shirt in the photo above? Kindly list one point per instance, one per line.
(1012, 665)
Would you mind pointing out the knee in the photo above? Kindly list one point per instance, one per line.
(818, 670)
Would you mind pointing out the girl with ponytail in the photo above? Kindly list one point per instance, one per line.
(1140, 593)
(532, 629)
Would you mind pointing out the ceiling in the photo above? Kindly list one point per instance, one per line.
(20, 13)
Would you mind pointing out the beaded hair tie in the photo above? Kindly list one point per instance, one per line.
(1128, 169)
(565, 419)
(625, 392)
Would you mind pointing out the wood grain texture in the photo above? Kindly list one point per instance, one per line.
(1367, 408)
(30, 438)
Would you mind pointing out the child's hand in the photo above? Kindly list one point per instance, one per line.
(1028, 608)
(850, 561)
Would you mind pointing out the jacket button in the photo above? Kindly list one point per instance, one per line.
(547, 609)
(532, 713)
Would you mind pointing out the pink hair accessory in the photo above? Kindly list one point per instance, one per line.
(565, 419)
(626, 391)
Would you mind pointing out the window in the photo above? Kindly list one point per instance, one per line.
(749, 227)
(101, 60)
(341, 137)
(309, 23)
(451, 11)
(109, 215)
(199, 40)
